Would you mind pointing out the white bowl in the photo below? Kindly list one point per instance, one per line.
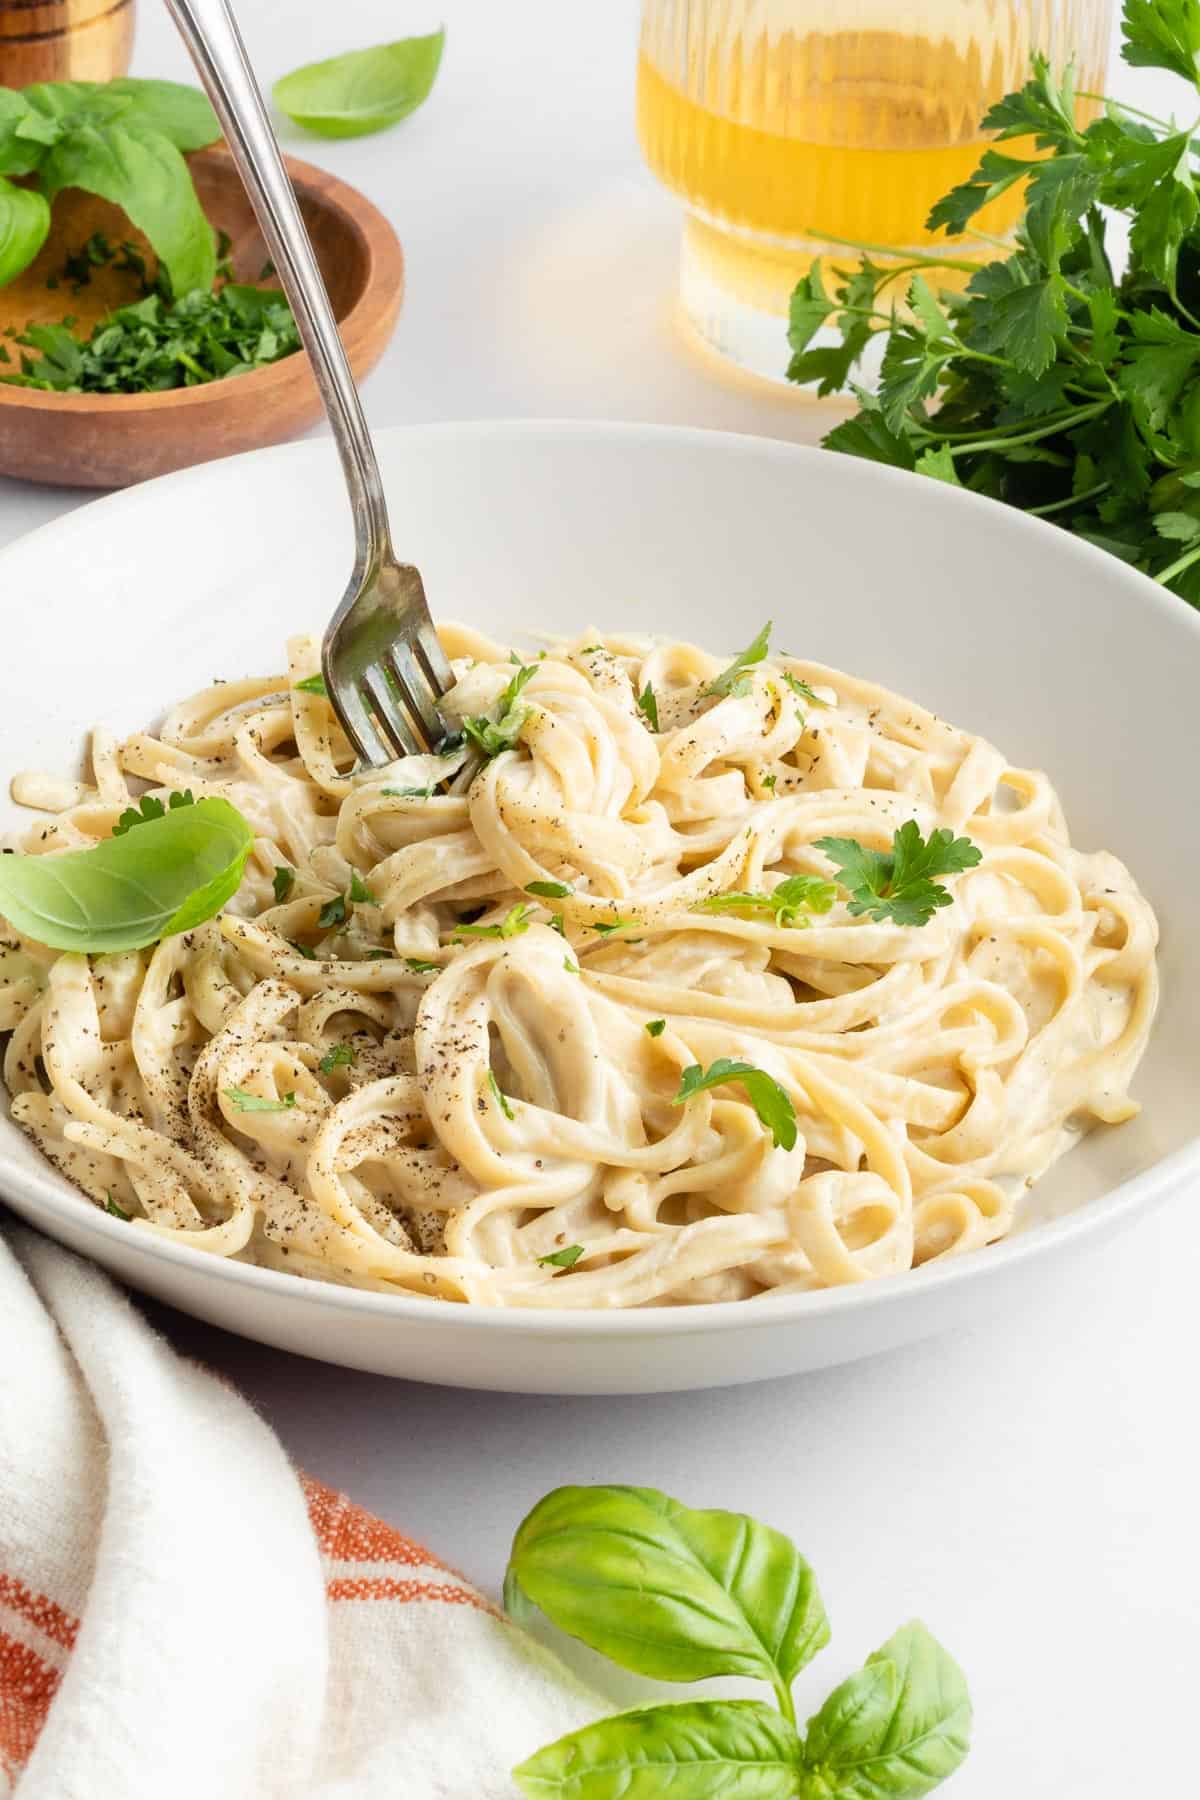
(1005, 625)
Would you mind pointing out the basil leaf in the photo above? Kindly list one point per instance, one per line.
(20, 148)
(166, 877)
(897, 1728)
(363, 91)
(665, 1591)
(183, 114)
(695, 1751)
(134, 165)
(24, 228)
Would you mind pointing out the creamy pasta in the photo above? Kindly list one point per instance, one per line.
(334, 1078)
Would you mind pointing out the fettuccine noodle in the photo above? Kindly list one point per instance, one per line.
(467, 1106)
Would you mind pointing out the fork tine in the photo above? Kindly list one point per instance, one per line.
(415, 692)
(432, 657)
(360, 728)
(388, 713)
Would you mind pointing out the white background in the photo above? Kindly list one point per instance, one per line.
(1029, 1488)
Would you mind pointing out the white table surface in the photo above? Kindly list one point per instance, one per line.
(1030, 1489)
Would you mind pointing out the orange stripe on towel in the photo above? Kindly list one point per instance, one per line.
(49, 1617)
(386, 1587)
(27, 1686)
(346, 1533)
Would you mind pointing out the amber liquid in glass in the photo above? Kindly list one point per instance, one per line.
(789, 141)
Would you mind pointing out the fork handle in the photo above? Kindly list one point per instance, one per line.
(211, 34)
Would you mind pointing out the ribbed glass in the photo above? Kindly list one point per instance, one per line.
(783, 124)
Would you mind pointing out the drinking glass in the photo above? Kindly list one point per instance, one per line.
(785, 124)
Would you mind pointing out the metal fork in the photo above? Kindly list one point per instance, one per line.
(384, 668)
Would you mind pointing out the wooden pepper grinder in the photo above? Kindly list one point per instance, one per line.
(64, 40)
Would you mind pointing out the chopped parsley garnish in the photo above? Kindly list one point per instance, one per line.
(425, 793)
(788, 900)
(801, 688)
(337, 1058)
(655, 1027)
(591, 649)
(515, 921)
(491, 736)
(648, 706)
(149, 807)
(378, 955)
(549, 890)
(304, 951)
(565, 1258)
(360, 893)
(313, 684)
(254, 1103)
(768, 781)
(157, 343)
(734, 680)
(284, 882)
(900, 884)
(500, 1099)
(572, 968)
(418, 966)
(333, 912)
(768, 1099)
(118, 1212)
(607, 926)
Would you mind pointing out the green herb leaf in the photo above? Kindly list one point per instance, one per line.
(515, 921)
(1162, 34)
(666, 1591)
(648, 706)
(360, 893)
(606, 927)
(283, 883)
(305, 951)
(655, 1027)
(900, 884)
(412, 793)
(562, 1259)
(338, 1058)
(150, 807)
(24, 228)
(254, 1103)
(23, 134)
(130, 162)
(332, 913)
(549, 890)
(788, 900)
(183, 114)
(800, 688)
(897, 1728)
(118, 1212)
(363, 91)
(694, 1751)
(491, 736)
(314, 684)
(418, 966)
(169, 875)
(500, 1099)
(734, 680)
(770, 1102)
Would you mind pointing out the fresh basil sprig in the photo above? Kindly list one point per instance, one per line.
(665, 1591)
(123, 140)
(679, 1595)
(166, 876)
(363, 91)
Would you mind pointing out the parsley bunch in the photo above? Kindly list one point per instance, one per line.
(1050, 383)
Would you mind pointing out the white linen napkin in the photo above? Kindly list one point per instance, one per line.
(182, 1614)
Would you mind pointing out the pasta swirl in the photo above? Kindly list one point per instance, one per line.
(448, 1087)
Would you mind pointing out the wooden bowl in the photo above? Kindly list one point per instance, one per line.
(113, 440)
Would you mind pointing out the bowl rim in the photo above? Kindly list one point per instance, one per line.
(382, 294)
(1048, 1238)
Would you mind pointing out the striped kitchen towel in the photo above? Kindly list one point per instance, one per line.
(182, 1615)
